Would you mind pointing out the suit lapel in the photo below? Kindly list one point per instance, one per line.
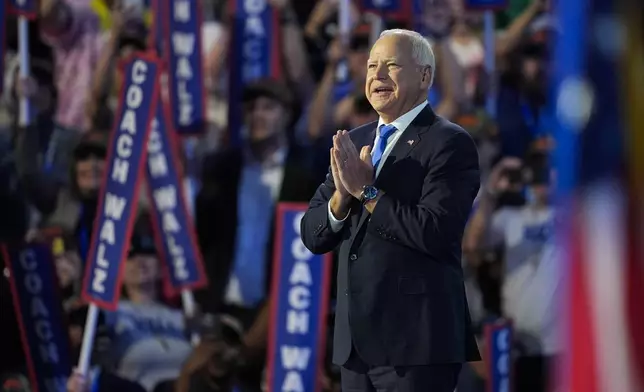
(409, 139)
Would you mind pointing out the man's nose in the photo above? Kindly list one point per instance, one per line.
(381, 72)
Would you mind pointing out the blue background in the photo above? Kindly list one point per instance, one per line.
(391, 6)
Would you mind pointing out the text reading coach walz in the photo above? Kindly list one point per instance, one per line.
(396, 201)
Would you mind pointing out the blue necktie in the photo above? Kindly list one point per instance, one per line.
(385, 132)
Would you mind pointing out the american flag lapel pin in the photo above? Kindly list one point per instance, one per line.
(410, 142)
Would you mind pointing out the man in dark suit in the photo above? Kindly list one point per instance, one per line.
(235, 208)
(397, 209)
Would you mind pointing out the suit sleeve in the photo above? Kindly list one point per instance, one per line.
(316, 230)
(439, 217)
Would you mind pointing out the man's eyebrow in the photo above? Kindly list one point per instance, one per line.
(387, 59)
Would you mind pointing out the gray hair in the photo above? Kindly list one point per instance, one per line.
(421, 49)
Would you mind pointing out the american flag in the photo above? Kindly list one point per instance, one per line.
(600, 176)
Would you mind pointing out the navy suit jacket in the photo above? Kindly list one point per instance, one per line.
(401, 297)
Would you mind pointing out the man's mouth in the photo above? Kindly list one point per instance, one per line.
(380, 90)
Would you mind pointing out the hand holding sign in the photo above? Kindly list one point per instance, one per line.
(117, 207)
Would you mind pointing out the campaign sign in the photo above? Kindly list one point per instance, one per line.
(120, 193)
(185, 61)
(255, 54)
(485, 5)
(173, 227)
(34, 288)
(498, 338)
(26, 8)
(299, 307)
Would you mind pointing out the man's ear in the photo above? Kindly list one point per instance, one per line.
(427, 74)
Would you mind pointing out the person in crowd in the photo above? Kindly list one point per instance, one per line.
(398, 214)
(361, 112)
(14, 208)
(149, 340)
(321, 29)
(71, 208)
(100, 382)
(73, 31)
(39, 88)
(293, 60)
(522, 113)
(333, 102)
(127, 35)
(212, 364)
(69, 268)
(241, 187)
(14, 382)
(531, 280)
(462, 56)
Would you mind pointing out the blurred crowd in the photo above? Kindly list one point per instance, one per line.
(51, 172)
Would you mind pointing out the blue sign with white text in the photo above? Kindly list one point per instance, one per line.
(486, 4)
(300, 300)
(27, 8)
(40, 315)
(255, 54)
(185, 61)
(172, 222)
(117, 206)
(498, 337)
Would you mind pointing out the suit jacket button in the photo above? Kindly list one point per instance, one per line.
(353, 257)
(346, 292)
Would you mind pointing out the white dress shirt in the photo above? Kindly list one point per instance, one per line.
(401, 123)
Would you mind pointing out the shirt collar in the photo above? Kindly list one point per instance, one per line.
(402, 122)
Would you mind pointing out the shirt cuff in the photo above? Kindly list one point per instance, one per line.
(334, 223)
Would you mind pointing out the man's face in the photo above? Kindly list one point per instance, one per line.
(89, 174)
(265, 118)
(394, 80)
(141, 269)
(68, 268)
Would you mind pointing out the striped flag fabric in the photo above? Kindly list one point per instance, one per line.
(634, 93)
(601, 228)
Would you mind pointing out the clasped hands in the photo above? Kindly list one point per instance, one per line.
(351, 170)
